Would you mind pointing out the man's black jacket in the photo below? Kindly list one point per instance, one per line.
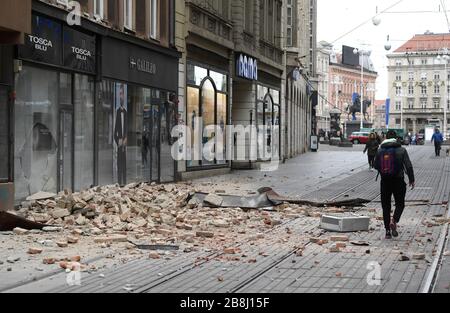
(402, 157)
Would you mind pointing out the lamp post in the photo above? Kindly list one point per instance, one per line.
(362, 53)
(444, 56)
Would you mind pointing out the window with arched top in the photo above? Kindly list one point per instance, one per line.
(206, 106)
(269, 119)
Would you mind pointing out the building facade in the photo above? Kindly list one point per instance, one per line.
(418, 83)
(94, 101)
(324, 52)
(345, 81)
(301, 75)
(15, 21)
(379, 120)
(231, 74)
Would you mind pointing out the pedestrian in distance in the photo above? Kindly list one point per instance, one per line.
(392, 161)
(372, 148)
(438, 139)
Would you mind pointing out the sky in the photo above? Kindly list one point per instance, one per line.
(401, 23)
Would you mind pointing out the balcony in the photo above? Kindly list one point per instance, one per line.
(15, 21)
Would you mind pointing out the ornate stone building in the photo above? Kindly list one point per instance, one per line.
(231, 73)
(418, 83)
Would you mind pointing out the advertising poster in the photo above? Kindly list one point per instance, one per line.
(120, 133)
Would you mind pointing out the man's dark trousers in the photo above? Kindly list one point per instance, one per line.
(438, 147)
(389, 187)
(122, 166)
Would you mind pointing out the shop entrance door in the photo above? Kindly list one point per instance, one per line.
(66, 150)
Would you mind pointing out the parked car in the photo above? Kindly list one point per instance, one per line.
(359, 138)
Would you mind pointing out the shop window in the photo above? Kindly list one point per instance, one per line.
(193, 112)
(36, 125)
(207, 109)
(220, 80)
(105, 138)
(135, 161)
(268, 115)
(4, 135)
(134, 140)
(207, 100)
(84, 132)
(167, 122)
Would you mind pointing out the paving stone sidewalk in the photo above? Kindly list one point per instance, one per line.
(285, 260)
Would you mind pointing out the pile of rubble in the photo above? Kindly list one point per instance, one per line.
(168, 212)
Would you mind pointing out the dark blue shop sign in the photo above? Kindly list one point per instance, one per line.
(79, 50)
(246, 66)
(55, 44)
(44, 44)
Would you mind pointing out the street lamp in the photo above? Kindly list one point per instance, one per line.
(444, 57)
(362, 53)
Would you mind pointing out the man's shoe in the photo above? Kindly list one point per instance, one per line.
(388, 235)
(394, 229)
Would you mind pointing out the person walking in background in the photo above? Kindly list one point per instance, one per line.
(392, 161)
(372, 149)
(438, 139)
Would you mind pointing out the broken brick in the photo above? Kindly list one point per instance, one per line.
(34, 251)
(111, 239)
(205, 234)
(339, 238)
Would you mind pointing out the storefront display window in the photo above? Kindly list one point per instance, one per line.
(84, 132)
(207, 99)
(105, 138)
(36, 125)
(268, 115)
(134, 134)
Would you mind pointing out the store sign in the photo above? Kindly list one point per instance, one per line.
(247, 67)
(141, 65)
(79, 50)
(44, 44)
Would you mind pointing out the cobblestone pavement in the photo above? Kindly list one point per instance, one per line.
(285, 259)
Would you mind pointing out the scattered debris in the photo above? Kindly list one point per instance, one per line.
(34, 251)
(360, 243)
(111, 239)
(13, 259)
(205, 234)
(418, 256)
(20, 231)
(339, 238)
(404, 258)
(154, 256)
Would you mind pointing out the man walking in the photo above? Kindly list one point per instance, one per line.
(372, 149)
(392, 161)
(438, 139)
